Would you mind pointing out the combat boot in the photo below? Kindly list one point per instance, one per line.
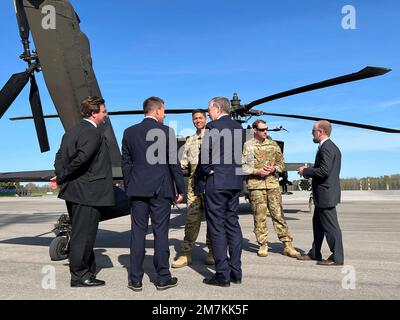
(263, 251)
(182, 261)
(210, 259)
(289, 251)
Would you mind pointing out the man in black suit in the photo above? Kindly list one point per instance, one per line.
(220, 166)
(150, 167)
(326, 193)
(83, 172)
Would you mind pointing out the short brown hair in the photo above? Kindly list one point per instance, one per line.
(325, 126)
(257, 122)
(199, 111)
(90, 105)
(152, 103)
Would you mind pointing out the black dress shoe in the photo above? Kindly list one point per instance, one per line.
(135, 286)
(173, 282)
(214, 281)
(236, 280)
(92, 282)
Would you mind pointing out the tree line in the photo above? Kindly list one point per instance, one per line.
(391, 182)
(31, 188)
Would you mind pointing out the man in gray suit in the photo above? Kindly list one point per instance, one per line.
(326, 193)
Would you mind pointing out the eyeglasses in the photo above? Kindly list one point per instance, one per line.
(315, 130)
(262, 129)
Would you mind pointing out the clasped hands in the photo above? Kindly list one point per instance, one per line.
(53, 183)
(265, 171)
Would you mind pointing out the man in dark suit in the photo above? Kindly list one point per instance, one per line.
(326, 193)
(150, 167)
(83, 172)
(220, 166)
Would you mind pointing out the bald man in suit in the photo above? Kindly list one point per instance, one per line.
(326, 192)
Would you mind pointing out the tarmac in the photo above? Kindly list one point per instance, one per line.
(370, 222)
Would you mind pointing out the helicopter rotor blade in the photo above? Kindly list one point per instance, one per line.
(115, 113)
(48, 116)
(37, 112)
(367, 72)
(168, 111)
(11, 90)
(23, 25)
(343, 123)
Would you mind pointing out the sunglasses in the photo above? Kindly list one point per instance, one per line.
(262, 130)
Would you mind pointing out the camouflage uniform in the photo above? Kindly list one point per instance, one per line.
(264, 192)
(195, 204)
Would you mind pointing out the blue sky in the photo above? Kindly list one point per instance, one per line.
(190, 51)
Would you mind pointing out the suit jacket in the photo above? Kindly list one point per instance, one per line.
(151, 168)
(83, 167)
(325, 175)
(222, 140)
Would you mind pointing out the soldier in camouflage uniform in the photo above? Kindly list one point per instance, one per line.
(262, 162)
(195, 204)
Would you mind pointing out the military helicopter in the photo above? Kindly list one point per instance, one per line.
(63, 56)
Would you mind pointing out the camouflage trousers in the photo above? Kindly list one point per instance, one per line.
(262, 200)
(195, 213)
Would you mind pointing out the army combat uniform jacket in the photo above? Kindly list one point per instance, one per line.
(258, 154)
(191, 151)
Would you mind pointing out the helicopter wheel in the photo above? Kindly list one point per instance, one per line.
(59, 249)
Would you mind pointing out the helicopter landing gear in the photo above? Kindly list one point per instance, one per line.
(59, 247)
